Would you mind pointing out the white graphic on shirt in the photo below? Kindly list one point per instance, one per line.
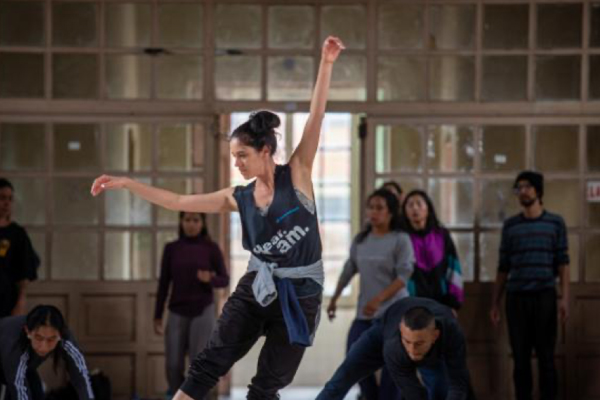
(283, 241)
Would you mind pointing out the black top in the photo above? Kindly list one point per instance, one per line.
(18, 262)
(450, 346)
(289, 234)
(18, 366)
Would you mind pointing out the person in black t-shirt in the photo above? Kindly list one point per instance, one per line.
(18, 259)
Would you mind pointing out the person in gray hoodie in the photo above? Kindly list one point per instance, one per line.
(27, 341)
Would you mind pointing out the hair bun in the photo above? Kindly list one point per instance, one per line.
(264, 121)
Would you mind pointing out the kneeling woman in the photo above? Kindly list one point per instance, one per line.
(26, 342)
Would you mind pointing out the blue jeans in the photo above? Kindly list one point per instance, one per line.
(435, 380)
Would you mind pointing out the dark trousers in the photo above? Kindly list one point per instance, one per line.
(532, 325)
(242, 322)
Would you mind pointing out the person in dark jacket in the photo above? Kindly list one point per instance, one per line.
(413, 333)
(27, 341)
(192, 266)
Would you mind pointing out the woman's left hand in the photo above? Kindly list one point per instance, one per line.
(371, 308)
(332, 48)
(205, 276)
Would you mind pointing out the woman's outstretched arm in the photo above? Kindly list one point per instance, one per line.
(215, 202)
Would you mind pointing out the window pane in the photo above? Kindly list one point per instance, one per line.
(595, 25)
(349, 79)
(497, 201)
(177, 185)
(503, 148)
(238, 77)
(592, 258)
(74, 76)
(290, 78)
(453, 200)
(238, 26)
(38, 241)
(180, 25)
(30, 200)
(333, 202)
(22, 147)
(180, 147)
(127, 77)
(558, 78)
(564, 198)
(504, 78)
(398, 149)
(128, 147)
(452, 26)
(450, 148)
(556, 148)
(505, 26)
(179, 77)
(452, 78)
(346, 22)
(400, 26)
(332, 166)
(76, 147)
(594, 75)
(74, 24)
(128, 255)
(465, 246)
(593, 148)
(82, 207)
(122, 208)
(291, 27)
(22, 23)
(128, 25)
(489, 245)
(21, 75)
(566, 16)
(336, 240)
(401, 78)
(75, 265)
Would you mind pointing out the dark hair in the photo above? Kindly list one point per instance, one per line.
(45, 315)
(394, 184)
(392, 204)
(203, 232)
(535, 179)
(432, 220)
(258, 131)
(418, 318)
(6, 183)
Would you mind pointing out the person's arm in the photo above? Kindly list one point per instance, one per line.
(14, 361)
(562, 260)
(215, 202)
(350, 269)
(304, 154)
(162, 292)
(221, 277)
(454, 280)
(501, 277)
(372, 306)
(455, 357)
(21, 305)
(77, 368)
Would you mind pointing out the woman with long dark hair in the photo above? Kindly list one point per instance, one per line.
(281, 230)
(29, 340)
(192, 266)
(383, 258)
(437, 273)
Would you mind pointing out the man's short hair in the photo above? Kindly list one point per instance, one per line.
(6, 183)
(418, 318)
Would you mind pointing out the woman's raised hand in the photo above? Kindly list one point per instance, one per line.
(106, 182)
(332, 48)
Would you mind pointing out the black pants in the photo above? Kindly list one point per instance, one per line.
(532, 324)
(241, 324)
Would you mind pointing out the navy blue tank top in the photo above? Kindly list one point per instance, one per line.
(288, 234)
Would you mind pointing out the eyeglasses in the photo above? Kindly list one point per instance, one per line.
(523, 186)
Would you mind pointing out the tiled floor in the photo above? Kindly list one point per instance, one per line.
(296, 393)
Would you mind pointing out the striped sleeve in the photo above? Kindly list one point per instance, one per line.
(80, 377)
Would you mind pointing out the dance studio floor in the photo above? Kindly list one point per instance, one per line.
(295, 393)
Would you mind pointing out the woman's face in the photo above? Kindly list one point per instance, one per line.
(44, 339)
(416, 211)
(248, 160)
(191, 223)
(378, 213)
